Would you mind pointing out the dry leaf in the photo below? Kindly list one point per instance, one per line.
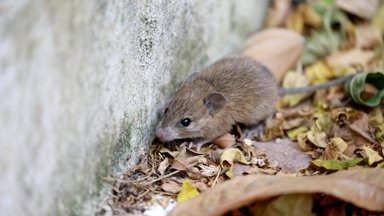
(318, 139)
(360, 126)
(209, 171)
(228, 157)
(278, 49)
(354, 57)
(273, 127)
(171, 187)
(319, 73)
(173, 154)
(376, 117)
(292, 134)
(225, 141)
(163, 166)
(304, 16)
(185, 159)
(373, 156)
(289, 157)
(291, 204)
(339, 144)
(365, 9)
(278, 13)
(368, 36)
(362, 187)
(336, 148)
(291, 80)
(378, 20)
(188, 191)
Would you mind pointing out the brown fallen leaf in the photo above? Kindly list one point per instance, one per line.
(290, 158)
(368, 36)
(273, 127)
(225, 141)
(171, 187)
(163, 166)
(363, 187)
(354, 57)
(278, 49)
(185, 159)
(303, 17)
(360, 126)
(364, 9)
(278, 13)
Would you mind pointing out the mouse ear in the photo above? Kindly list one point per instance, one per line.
(214, 103)
(192, 77)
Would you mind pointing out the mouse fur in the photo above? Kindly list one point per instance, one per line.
(230, 91)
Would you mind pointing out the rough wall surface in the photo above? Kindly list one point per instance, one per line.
(81, 83)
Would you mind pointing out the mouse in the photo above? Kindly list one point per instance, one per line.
(235, 90)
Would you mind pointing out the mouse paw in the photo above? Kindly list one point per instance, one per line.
(198, 145)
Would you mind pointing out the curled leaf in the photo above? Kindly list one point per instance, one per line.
(362, 187)
(355, 86)
(228, 158)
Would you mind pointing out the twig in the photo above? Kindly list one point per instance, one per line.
(141, 195)
(162, 177)
(217, 177)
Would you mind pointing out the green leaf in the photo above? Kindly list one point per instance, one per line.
(337, 164)
(355, 86)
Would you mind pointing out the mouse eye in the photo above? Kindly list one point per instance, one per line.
(166, 110)
(186, 122)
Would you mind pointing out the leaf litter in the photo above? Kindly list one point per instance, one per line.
(320, 153)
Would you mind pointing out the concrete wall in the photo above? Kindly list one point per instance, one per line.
(81, 83)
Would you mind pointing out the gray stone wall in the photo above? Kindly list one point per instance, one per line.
(81, 83)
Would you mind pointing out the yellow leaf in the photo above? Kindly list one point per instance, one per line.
(188, 191)
(318, 139)
(378, 18)
(294, 79)
(295, 21)
(292, 134)
(323, 122)
(167, 151)
(302, 142)
(373, 156)
(228, 157)
(319, 73)
(339, 144)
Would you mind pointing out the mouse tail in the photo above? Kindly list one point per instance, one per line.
(310, 89)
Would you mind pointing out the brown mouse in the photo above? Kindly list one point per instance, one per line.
(207, 105)
(233, 90)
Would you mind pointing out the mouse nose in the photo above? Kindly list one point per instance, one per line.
(160, 133)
